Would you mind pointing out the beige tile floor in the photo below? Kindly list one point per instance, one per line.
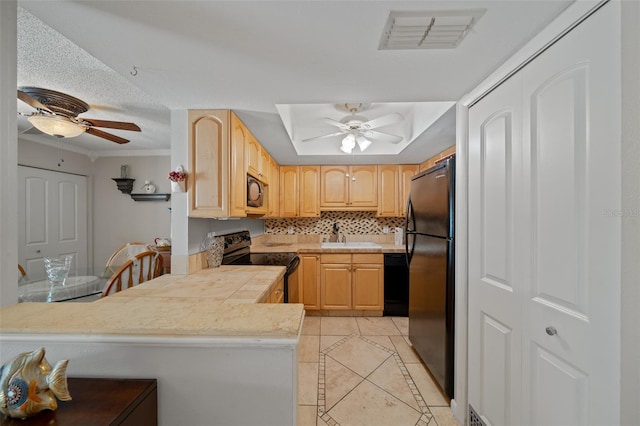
(363, 371)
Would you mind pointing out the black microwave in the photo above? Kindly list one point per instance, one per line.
(255, 192)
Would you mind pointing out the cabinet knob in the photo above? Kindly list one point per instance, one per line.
(551, 331)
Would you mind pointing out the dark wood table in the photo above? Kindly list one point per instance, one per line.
(98, 402)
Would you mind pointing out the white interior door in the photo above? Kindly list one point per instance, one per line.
(52, 218)
(544, 257)
(495, 284)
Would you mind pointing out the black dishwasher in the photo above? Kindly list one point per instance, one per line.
(396, 285)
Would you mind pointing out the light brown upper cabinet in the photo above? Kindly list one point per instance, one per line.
(213, 141)
(430, 162)
(257, 159)
(273, 189)
(407, 171)
(299, 189)
(349, 187)
(309, 178)
(389, 190)
(289, 192)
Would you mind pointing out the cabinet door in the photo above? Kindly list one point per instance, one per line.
(309, 191)
(277, 293)
(253, 156)
(363, 188)
(289, 191)
(273, 190)
(368, 291)
(208, 166)
(335, 284)
(264, 165)
(407, 171)
(309, 281)
(388, 191)
(238, 181)
(334, 186)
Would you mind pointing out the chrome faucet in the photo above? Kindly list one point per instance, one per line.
(336, 231)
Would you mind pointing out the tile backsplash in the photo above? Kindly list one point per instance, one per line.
(350, 223)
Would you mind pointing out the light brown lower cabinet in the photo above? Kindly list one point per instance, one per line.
(352, 281)
(277, 293)
(309, 280)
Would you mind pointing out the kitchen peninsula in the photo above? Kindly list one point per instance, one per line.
(219, 357)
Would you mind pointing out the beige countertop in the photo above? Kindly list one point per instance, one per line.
(218, 302)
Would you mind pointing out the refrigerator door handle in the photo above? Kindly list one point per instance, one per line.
(409, 233)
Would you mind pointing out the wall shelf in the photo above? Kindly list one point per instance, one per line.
(125, 185)
(151, 197)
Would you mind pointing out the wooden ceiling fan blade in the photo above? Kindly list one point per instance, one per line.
(31, 101)
(120, 125)
(105, 135)
(382, 137)
(385, 120)
(322, 137)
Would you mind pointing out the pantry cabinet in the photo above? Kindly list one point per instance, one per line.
(349, 187)
(309, 280)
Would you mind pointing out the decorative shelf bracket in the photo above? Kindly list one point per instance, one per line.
(125, 185)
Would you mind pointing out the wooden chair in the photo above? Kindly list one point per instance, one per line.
(143, 267)
(122, 254)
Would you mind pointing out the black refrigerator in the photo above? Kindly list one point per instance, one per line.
(430, 244)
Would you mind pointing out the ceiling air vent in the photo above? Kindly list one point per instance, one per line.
(427, 30)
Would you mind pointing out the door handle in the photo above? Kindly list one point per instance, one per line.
(37, 251)
(551, 331)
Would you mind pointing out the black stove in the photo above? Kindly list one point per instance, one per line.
(237, 251)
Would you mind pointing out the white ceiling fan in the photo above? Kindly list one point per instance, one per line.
(360, 130)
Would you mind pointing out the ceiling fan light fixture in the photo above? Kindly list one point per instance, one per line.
(363, 143)
(348, 143)
(56, 125)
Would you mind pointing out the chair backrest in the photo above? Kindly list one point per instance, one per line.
(143, 267)
(122, 254)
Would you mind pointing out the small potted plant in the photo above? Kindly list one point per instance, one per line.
(178, 178)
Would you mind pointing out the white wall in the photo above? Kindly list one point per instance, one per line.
(630, 298)
(117, 218)
(114, 218)
(8, 153)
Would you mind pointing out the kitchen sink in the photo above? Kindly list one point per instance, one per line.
(351, 245)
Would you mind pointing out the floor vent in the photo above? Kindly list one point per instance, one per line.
(474, 418)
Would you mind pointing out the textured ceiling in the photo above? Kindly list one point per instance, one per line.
(253, 55)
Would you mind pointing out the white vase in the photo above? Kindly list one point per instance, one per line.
(178, 186)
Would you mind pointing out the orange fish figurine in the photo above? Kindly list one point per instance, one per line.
(29, 385)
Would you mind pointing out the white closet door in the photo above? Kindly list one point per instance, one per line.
(52, 218)
(495, 286)
(544, 255)
(571, 108)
